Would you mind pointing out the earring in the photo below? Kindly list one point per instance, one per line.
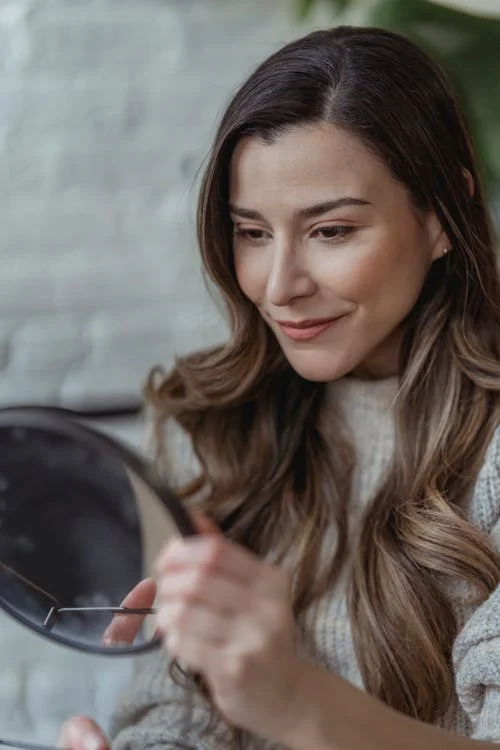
(446, 250)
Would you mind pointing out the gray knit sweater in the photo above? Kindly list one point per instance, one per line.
(156, 713)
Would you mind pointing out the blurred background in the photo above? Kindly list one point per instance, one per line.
(107, 109)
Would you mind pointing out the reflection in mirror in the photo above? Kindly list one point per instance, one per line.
(47, 611)
(81, 525)
(82, 522)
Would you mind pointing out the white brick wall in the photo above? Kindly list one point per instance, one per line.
(107, 108)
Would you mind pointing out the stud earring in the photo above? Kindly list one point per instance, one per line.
(445, 251)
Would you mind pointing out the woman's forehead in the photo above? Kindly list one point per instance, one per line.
(307, 165)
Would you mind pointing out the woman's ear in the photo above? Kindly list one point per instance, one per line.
(439, 242)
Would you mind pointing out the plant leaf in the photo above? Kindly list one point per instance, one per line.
(305, 6)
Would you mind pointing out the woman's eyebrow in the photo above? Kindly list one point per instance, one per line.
(310, 212)
(322, 208)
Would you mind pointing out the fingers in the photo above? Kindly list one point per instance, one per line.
(124, 628)
(212, 607)
(193, 586)
(204, 525)
(213, 626)
(221, 609)
(216, 555)
(206, 640)
(142, 595)
(197, 620)
(82, 733)
(197, 654)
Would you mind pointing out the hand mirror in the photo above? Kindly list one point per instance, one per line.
(82, 520)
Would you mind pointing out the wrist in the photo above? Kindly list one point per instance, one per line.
(311, 711)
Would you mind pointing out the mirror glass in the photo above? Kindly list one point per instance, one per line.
(82, 521)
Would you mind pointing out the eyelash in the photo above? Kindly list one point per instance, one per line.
(246, 234)
(339, 232)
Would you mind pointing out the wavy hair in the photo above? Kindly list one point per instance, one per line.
(269, 475)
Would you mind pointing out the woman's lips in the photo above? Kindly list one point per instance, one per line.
(306, 332)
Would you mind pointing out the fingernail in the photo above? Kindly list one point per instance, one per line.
(107, 637)
(92, 742)
(109, 640)
(87, 740)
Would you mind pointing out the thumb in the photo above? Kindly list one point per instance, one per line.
(82, 733)
(204, 525)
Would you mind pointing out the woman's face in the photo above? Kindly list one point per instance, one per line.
(330, 249)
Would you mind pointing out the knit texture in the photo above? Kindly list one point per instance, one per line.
(156, 713)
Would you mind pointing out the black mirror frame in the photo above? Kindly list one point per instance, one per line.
(69, 423)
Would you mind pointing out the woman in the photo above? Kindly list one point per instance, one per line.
(347, 435)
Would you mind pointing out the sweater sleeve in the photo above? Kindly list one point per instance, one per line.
(476, 659)
(156, 713)
(476, 653)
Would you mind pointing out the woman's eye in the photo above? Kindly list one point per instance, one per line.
(335, 232)
(250, 234)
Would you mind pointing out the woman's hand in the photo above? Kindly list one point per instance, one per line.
(124, 628)
(227, 615)
(80, 732)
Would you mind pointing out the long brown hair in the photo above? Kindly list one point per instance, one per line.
(268, 473)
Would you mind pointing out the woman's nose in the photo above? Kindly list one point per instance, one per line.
(289, 278)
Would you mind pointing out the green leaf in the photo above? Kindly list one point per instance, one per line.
(341, 4)
(468, 48)
(305, 6)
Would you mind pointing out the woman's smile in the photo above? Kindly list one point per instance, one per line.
(307, 330)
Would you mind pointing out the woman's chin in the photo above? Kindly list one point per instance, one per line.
(318, 370)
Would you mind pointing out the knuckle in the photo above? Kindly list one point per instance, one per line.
(164, 589)
(197, 585)
(214, 551)
(178, 617)
(262, 643)
(173, 617)
(161, 620)
(173, 643)
(236, 670)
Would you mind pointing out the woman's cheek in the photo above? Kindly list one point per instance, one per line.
(251, 275)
